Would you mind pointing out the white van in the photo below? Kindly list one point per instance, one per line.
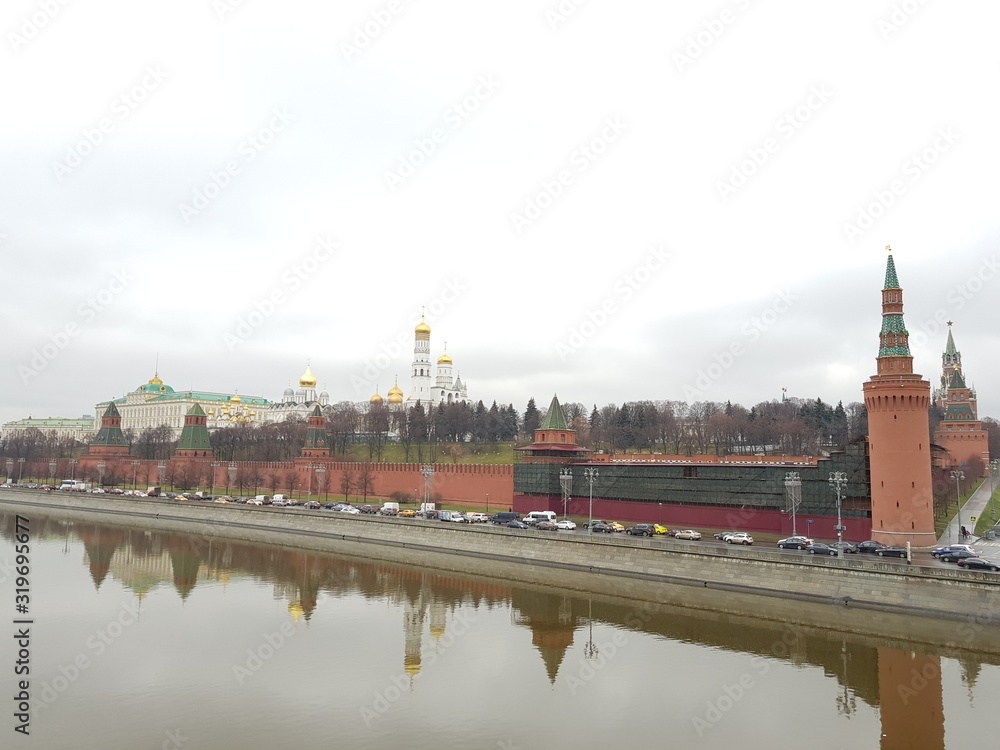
(541, 515)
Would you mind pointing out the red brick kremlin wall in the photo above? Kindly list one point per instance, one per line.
(468, 484)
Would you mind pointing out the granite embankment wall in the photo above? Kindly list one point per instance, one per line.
(638, 568)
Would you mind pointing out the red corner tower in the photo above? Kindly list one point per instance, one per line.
(898, 401)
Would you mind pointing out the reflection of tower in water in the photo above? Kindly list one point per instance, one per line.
(911, 699)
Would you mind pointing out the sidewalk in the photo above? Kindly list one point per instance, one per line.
(973, 508)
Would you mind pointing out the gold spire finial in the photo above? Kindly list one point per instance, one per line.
(888, 249)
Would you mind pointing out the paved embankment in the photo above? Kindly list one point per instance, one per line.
(853, 592)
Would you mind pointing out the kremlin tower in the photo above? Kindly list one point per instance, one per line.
(898, 403)
(960, 430)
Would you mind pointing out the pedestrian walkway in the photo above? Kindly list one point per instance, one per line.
(972, 509)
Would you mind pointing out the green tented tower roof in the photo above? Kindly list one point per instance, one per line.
(554, 417)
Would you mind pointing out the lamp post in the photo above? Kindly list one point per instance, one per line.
(231, 473)
(10, 468)
(215, 465)
(793, 489)
(838, 480)
(427, 471)
(20, 470)
(487, 503)
(101, 466)
(566, 484)
(52, 469)
(958, 476)
(590, 474)
(994, 467)
(135, 470)
(72, 469)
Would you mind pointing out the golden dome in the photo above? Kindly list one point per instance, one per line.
(211, 412)
(308, 380)
(236, 399)
(444, 359)
(422, 331)
(376, 399)
(396, 394)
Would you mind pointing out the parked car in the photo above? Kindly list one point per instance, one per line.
(818, 548)
(599, 527)
(588, 524)
(616, 526)
(979, 563)
(721, 536)
(870, 547)
(740, 537)
(547, 526)
(350, 509)
(405, 513)
(891, 551)
(795, 542)
(504, 517)
(951, 548)
(566, 525)
(848, 547)
(688, 534)
(312, 505)
(640, 529)
(957, 554)
(516, 524)
(660, 529)
(477, 517)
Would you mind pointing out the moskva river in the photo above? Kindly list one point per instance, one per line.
(133, 639)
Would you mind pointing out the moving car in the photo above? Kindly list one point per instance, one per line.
(890, 551)
(600, 527)
(870, 547)
(795, 542)
(688, 534)
(616, 526)
(640, 529)
(405, 513)
(957, 554)
(658, 529)
(950, 548)
(979, 563)
(566, 525)
(504, 517)
(311, 505)
(721, 536)
(547, 526)
(740, 537)
(848, 547)
(516, 524)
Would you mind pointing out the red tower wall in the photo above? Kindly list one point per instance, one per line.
(899, 446)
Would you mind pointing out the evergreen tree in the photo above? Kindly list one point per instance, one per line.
(532, 418)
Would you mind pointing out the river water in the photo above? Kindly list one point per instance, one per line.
(151, 640)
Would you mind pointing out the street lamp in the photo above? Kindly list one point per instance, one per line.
(958, 476)
(10, 468)
(231, 470)
(487, 503)
(20, 469)
(161, 472)
(101, 466)
(427, 471)
(135, 470)
(566, 484)
(309, 481)
(215, 465)
(72, 469)
(994, 467)
(590, 474)
(838, 480)
(52, 469)
(793, 489)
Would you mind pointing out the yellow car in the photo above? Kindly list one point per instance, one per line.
(407, 513)
(616, 526)
(658, 529)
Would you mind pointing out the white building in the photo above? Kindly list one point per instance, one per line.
(298, 403)
(429, 387)
(81, 430)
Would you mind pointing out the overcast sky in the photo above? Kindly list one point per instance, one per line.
(607, 200)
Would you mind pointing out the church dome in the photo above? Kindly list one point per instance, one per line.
(289, 393)
(324, 394)
(396, 395)
(308, 380)
(444, 359)
(376, 399)
(236, 399)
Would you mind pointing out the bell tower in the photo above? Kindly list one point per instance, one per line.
(898, 401)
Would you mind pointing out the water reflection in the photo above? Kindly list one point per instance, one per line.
(573, 637)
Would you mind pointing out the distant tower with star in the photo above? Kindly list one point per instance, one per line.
(960, 430)
(898, 402)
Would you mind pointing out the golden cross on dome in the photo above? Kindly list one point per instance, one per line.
(888, 249)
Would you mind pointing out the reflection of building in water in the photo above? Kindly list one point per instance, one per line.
(911, 698)
(100, 544)
(551, 620)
